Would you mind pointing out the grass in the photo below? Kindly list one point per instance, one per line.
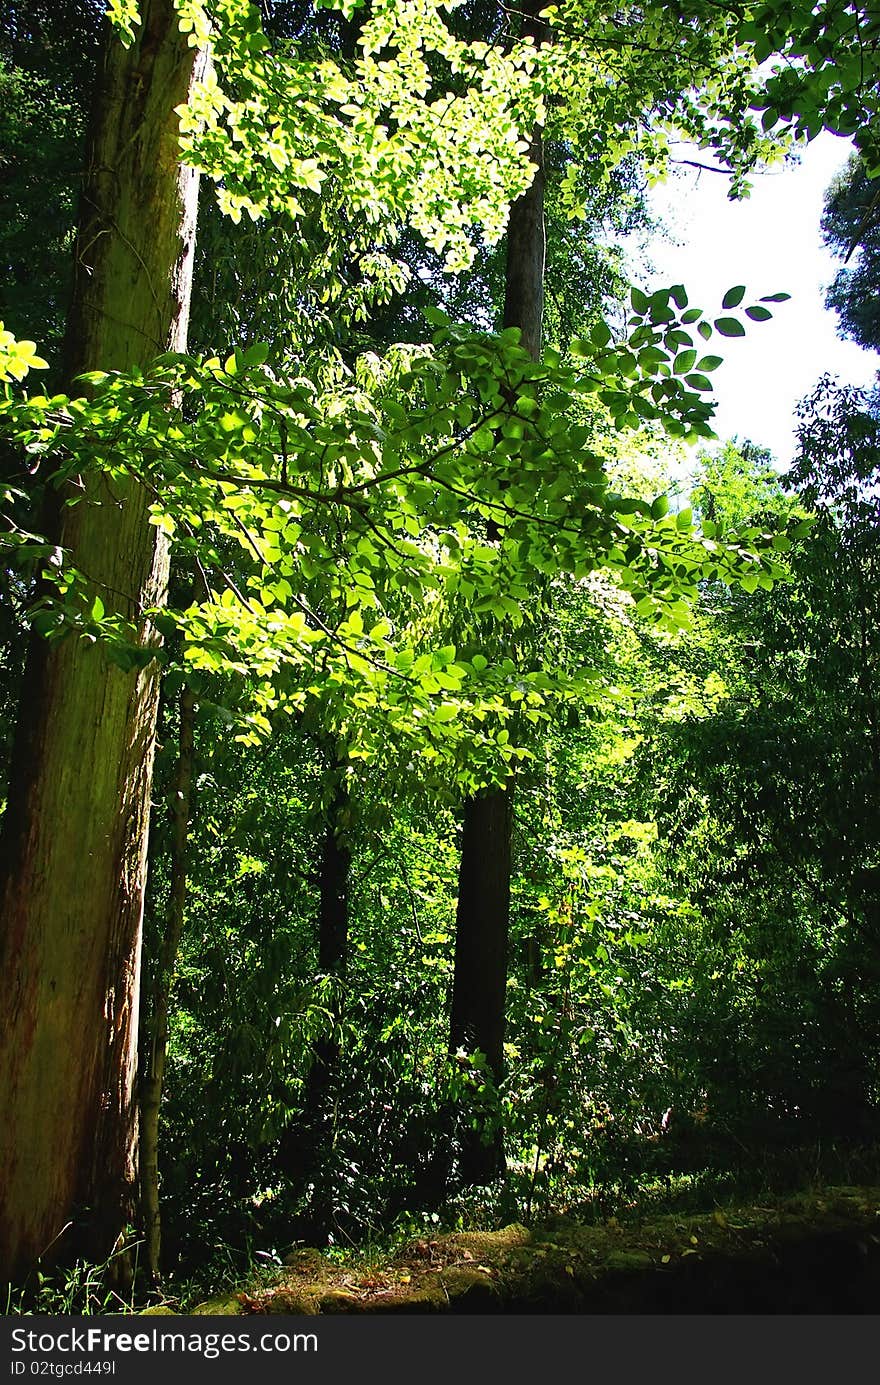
(82, 1289)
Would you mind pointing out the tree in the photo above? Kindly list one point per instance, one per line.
(152, 1070)
(652, 59)
(74, 846)
(851, 227)
(479, 987)
(75, 829)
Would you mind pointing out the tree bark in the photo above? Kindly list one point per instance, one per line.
(75, 829)
(483, 912)
(157, 1015)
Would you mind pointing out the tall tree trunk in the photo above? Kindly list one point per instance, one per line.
(75, 830)
(480, 977)
(483, 914)
(306, 1142)
(157, 1012)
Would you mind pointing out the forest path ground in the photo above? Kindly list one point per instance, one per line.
(816, 1252)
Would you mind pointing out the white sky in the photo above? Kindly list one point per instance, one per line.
(771, 243)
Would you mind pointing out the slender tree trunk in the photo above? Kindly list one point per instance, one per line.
(75, 829)
(483, 915)
(332, 955)
(305, 1145)
(157, 1014)
(526, 251)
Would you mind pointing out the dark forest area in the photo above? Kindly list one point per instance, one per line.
(440, 776)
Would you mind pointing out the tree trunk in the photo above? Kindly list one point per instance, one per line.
(306, 1143)
(75, 829)
(483, 914)
(480, 978)
(157, 1015)
(332, 957)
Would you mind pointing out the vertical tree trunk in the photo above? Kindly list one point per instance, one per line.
(334, 883)
(75, 829)
(157, 1014)
(483, 913)
(526, 252)
(480, 977)
(305, 1144)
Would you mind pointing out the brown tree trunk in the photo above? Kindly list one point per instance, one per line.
(483, 913)
(75, 829)
(157, 1014)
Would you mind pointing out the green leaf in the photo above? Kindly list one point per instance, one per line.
(775, 297)
(97, 609)
(660, 507)
(639, 300)
(709, 362)
(758, 314)
(257, 354)
(729, 327)
(734, 296)
(705, 330)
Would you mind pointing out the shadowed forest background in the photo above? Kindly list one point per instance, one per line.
(509, 847)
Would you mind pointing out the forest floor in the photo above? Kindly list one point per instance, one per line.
(815, 1252)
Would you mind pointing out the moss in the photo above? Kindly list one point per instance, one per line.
(470, 1290)
(488, 1243)
(221, 1306)
(428, 1296)
(629, 1260)
(337, 1301)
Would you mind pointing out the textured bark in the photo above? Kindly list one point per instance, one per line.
(483, 915)
(75, 830)
(526, 254)
(157, 1015)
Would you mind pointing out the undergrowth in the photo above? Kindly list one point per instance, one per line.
(117, 1285)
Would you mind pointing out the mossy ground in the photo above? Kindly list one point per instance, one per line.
(818, 1251)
